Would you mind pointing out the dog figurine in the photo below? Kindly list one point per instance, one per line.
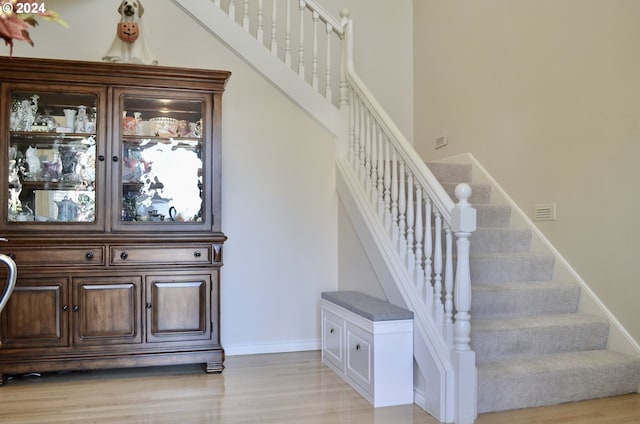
(129, 45)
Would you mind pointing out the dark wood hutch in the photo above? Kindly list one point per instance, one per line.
(111, 207)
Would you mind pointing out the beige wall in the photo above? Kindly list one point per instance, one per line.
(545, 94)
(383, 52)
(279, 201)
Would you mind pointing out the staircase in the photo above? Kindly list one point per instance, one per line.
(533, 347)
(526, 344)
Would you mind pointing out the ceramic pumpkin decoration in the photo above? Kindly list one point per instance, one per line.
(128, 31)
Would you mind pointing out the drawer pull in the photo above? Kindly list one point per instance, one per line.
(89, 256)
(148, 305)
(124, 255)
(197, 254)
(358, 346)
(332, 331)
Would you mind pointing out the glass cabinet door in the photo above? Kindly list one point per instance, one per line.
(51, 157)
(162, 177)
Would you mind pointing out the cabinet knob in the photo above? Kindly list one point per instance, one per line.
(197, 254)
(89, 256)
(332, 331)
(115, 158)
(358, 346)
(76, 308)
(65, 308)
(148, 305)
(101, 158)
(124, 255)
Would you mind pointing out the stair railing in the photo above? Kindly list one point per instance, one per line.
(411, 207)
(421, 221)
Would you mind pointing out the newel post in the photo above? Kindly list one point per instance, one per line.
(463, 223)
(347, 51)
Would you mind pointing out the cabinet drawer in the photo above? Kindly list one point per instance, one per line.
(168, 255)
(58, 256)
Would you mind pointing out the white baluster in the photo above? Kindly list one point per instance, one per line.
(327, 74)
(274, 28)
(260, 29)
(245, 15)
(301, 73)
(352, 124)
(357, 138)
(287, 36)
(362, 142)
(394, 198)
(314, 52)
(367, 152)
(464, 223)
(419, 252)
(347, 48)
(428, 253)
(402, 209)
(374, 163)
(437, 269)
(411, 259)
(448, 287)
(232, 9)
(387, 184)
(381, 164)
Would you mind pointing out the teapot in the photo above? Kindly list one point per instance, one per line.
(67, 209)
(160, 204)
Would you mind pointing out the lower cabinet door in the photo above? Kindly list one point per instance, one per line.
(178, 307)
(106, 310)
(37, 314)
(332, 339)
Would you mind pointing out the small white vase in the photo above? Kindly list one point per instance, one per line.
(70, 118)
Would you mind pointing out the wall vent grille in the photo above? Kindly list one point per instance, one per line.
(545, 212)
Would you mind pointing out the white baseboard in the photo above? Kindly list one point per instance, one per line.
(280, 347)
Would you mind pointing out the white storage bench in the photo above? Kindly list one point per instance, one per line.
(369, 343)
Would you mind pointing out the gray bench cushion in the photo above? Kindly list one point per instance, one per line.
(366, 306)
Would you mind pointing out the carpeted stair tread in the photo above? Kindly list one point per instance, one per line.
(511, 267)
(537, 335)
(492, 215)
(451, 172)
(557, 378)
(500, 240)
(524, 298)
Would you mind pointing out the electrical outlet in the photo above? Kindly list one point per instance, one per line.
(441, 141)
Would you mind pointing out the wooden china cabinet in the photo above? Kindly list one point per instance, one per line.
(111, 207)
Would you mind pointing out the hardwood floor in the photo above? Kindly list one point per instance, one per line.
(274, 388)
